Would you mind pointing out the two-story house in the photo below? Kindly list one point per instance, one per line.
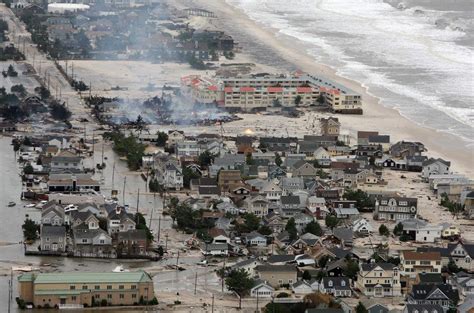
(229, 179)
(290, 205)
(257, 205)
(379, 280)
(66, 161)
(53, 238)
(420, 231)
(93, 243)
(187, 148)
(175, 136)
(441, 294)
(277, 275)
(413, 263)
(272, 191)
(330, 126)
(119, 220)
(395, 208)
(172, 177)
(132, 243)
(435, 167)
(317, 207)
(336, 286)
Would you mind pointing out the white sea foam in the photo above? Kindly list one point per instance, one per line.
(400, 55)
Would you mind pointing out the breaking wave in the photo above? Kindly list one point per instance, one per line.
(407, 56)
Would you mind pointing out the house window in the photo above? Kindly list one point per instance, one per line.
(73, 298)
(109, 296)
(97, 296)
(97, 287)
(133, 287)
(134, 295)
(121, 287)
(122, 296)
(72, 287)
(84, 287)
(109, 287)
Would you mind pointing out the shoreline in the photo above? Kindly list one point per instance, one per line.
(376, 116)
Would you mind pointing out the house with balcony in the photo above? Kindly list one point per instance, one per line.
(95, 243)
(395, 208)
(379, 280)
(413, 263)
(257, 205)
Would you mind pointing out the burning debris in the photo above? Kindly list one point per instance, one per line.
(164, 110)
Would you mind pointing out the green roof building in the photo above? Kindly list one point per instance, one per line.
(78, 289)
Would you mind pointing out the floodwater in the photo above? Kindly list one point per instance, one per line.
(11, 250)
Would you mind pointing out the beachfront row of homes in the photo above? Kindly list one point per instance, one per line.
(259, 92)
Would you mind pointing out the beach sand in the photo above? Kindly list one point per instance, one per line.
(264, 45)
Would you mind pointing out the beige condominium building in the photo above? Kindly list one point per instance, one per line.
(251, 92)
(78, 290)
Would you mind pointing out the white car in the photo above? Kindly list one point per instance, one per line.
(31, 205)
(70, 208)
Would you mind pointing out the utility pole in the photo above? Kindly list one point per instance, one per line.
(93, 147)
(212, 305)
(257, 302)
(222, 280)
(195, 282)
(159, 227)
(101, 164)
(123, 192)
(177, 260)
(113, 175)
(138, 199)
(151, 215)
(166, 242)
(9, 294)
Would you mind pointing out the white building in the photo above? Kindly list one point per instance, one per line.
(435, 167)
(187, 148)
(262, 290)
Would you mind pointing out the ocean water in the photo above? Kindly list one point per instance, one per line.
(416, 56)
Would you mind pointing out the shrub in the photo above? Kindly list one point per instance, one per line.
(153, 301)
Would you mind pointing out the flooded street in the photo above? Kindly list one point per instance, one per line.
(166, 281)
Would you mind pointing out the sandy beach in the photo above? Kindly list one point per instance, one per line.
(263, 44)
